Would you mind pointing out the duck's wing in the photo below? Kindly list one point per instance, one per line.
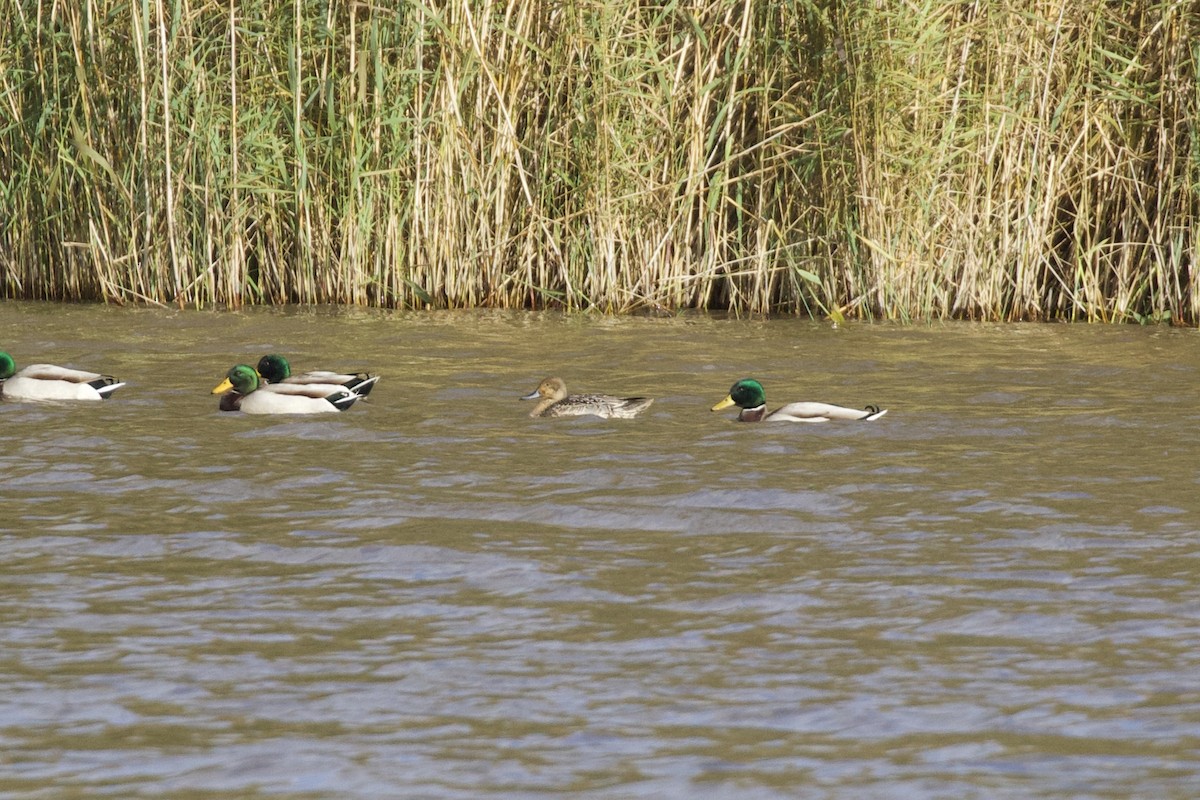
(598, 405)
(314, 389)
(314, 398)
(360, 383)
(823, 412)
(50, 372)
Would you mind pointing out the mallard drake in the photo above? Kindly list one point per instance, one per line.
(555, 402)
(748, 394)
(48, 382)
(243, 391)
(276, 369)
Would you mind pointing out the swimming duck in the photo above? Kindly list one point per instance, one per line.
(48, 382)
(748, 394)
(243, 391)
(276, 369)
(553, 401)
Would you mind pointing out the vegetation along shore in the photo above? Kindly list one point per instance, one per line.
(996, 160)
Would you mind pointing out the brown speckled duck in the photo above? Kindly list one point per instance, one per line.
(553, 401)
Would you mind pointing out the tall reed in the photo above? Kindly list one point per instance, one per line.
(1029, 160)
(992, 160)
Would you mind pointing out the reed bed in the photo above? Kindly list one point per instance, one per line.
(984, 160)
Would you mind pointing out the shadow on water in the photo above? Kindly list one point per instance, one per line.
(990, 593)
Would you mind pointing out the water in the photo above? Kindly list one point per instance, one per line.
(991, 593)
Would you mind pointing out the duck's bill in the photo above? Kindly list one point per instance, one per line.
(726, 403)
(223, 387)
(531, 396)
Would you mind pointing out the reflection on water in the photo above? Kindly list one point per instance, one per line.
(991, 593)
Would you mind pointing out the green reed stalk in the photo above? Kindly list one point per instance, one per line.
(985, 160)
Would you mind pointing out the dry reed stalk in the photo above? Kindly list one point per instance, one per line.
(987, 160)
(1025, 167)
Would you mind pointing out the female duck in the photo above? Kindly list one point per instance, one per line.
(243, 391)
(553, 401)
(276, 369)
(48, 382)
(748, 394)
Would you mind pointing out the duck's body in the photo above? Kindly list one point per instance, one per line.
(243, 391)
(749, 396)
(49, 382)
(277, 371)
(553, 401)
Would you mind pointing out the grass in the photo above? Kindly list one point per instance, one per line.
(986, 160)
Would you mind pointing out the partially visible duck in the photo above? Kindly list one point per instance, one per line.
(276, 369)
(553, 401)
(48, 382)
(243, 391)
(748, 395)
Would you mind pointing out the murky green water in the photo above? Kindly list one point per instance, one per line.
(993, 592)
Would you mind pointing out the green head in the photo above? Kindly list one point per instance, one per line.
(274, 367)
(7, 365)
(241, 379)
(746, 393)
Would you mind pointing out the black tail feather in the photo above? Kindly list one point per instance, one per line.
(105, 385)
(362, 384)
(342, 400)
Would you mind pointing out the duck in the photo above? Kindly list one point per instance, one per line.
(48, 382)
(553, 401)
(243, 390)
(276, 369)
(748, 394)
